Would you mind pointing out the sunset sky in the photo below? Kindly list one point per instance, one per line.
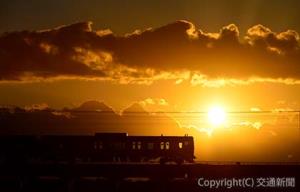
(191, 54)
(169, 55)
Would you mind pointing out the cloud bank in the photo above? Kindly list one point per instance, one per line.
(178, 51)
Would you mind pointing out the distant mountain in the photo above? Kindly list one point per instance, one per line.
(93, 106)
(136, 120)
(134, 108)
(88, 118)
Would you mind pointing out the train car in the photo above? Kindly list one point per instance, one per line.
(19, 148)
(166, 148)
(102, 147)
(69, 148)
(120, 147)
(110, 147)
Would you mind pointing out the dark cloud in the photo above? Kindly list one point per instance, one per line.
(78, 51)
(285, 42)
(49, 53)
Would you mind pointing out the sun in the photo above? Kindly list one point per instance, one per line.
(216, 116)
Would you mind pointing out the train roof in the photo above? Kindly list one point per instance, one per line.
(109, 134)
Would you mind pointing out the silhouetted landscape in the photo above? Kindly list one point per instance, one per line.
(92, 116)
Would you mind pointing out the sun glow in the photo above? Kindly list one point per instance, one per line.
(216, 116)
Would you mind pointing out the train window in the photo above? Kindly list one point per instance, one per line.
(167, 145)
(133, 145)
(100, 145)
(186, 143)
(139, 145)
(180, 145)
(150, 145)
(162, 145)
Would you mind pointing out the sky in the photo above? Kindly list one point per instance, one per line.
(170, 56)
(65, 52)
(126, 16)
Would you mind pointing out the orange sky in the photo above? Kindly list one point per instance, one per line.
(234, 54)
(238, 53)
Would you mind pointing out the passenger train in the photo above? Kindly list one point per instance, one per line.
(102, 147)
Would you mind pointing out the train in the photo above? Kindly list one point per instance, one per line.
(101, 147)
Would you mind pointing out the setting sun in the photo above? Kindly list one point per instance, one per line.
(216, 116)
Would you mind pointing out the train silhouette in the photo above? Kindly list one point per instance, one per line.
(102, 147)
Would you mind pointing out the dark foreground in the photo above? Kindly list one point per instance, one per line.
(149, 177)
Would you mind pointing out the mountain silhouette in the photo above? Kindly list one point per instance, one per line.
(88, 118)
(93, 105)
(134, 108)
